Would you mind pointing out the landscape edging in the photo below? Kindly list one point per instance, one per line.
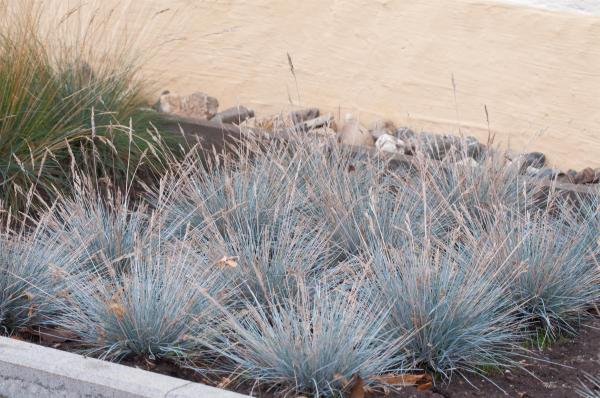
(28, 370)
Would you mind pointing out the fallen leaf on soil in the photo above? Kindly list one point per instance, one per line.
(358, 389)
(149, 363)
(403, 380)
(423, 387)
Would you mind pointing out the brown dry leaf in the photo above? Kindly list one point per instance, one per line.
(402, 380)
(227, 261)
(358, 389)
(341, 379)
(426, 383)
(423, 387)
(117, 309)
(150, 364)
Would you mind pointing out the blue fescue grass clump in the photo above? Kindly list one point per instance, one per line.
(312, 344)
(467, 196)
(301, 268)
(262, 259)
(104, 228)
(244, 189)
(161, 307)
(32, 278)
(458, 311)
(248, 217)
(557, 275)
(340, 185)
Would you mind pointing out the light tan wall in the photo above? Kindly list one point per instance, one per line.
(537, 72)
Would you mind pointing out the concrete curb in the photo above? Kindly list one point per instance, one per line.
(29, 370)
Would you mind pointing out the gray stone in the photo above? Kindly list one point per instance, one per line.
(438, 146)
(405, 134)
(531, 159)
(475, 149)
(544, 173)
(303, 115)
(320, 121)
(236, 115)
(587, 176)
(568, 177)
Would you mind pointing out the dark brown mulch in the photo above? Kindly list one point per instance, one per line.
(568, 361)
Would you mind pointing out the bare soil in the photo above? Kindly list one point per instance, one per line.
(557, 374)
(559, 377)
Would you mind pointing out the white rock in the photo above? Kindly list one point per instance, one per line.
(389, 143)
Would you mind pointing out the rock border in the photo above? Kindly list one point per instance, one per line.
(30, 370)
(217, 136)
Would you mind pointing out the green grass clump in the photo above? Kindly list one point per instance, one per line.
(62, 105)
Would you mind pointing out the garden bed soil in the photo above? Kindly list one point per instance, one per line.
(559, 374)
(568, 361)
